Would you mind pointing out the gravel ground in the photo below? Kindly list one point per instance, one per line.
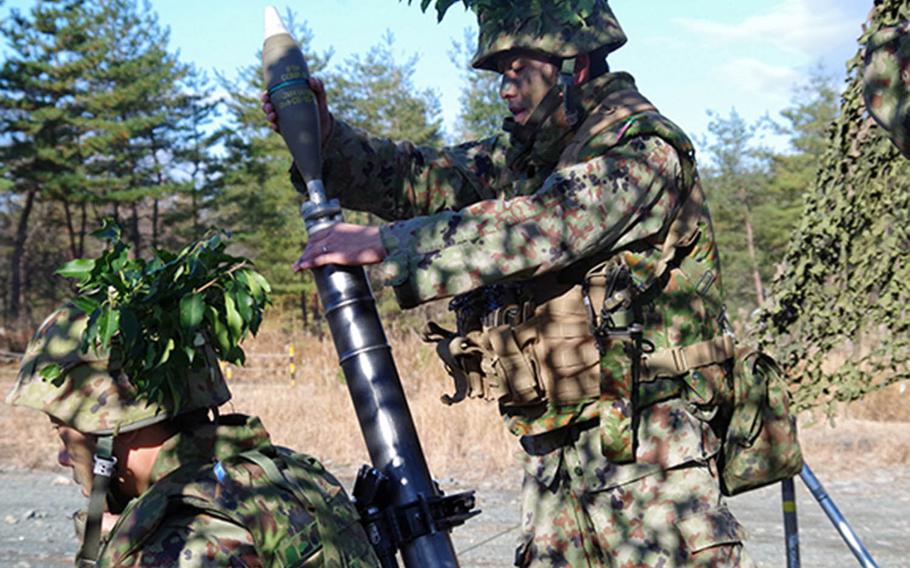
(36, 531)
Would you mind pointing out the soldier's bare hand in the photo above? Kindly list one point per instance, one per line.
(269, 111)
(344, 244)
(325, 117)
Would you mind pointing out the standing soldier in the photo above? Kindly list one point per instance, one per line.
(886, 80)
(585, 276)
(185, 488)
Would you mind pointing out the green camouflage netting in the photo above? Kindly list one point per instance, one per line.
(838, 317)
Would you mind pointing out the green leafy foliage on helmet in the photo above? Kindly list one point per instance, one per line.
(557, 28)
(91, 393)
(161, 315)
(886, 82)
(143, 338)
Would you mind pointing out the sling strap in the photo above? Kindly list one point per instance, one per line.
(306, 493)
(614, 108)
(674, 361)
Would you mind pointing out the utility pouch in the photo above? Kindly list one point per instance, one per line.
(761, 446)
(552, 354)
(515, 365)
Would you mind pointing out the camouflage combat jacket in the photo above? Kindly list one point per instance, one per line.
(461, 221)
(209, 505)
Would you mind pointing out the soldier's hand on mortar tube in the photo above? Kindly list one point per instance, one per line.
(345, 244)
(325, 117)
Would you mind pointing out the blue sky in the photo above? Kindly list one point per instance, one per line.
(688, 57)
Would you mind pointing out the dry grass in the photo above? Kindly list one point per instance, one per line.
(868, 434)
(468, 442)
(314, 413)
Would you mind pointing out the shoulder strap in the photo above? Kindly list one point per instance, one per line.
(613, 109)
(343, 541)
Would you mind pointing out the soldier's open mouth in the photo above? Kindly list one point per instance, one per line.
(518, 114)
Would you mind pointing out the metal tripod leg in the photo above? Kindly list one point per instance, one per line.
(840, 522)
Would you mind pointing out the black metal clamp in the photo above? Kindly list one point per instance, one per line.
(390, 526)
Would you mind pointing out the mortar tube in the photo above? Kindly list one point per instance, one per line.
(350, 310)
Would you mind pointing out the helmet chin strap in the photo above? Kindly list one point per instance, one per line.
(569, 90)
(103, 464)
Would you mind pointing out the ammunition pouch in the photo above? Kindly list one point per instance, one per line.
(526, 354)
(549, 357)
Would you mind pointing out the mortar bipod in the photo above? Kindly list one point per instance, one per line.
(824, 500)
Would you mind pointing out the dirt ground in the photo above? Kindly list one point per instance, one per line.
(36, 530)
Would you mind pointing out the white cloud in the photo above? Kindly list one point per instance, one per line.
(772, 82)
(806, 27)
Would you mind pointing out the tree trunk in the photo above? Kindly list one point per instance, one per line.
(134, 230)
(194, 197)
(753, 257)
(83, 222)
(159, 179)
(14, 308)
(317, 315)
(155, 224)
(70, 229)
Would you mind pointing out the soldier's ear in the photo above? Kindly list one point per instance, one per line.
(582, 69)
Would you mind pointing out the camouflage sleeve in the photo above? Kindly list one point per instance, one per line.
(886, 90)
(606, 203)
(197, 541)
(398, 180)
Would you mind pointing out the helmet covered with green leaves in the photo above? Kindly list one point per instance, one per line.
(89, 392)
(557, 28)
(886, 82)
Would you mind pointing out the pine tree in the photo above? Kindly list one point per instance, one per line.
(91, 102)
(43, 100)
(482, 109)
(810, 115)
(376, 92)
(194, 168)
(734, 181)
(138, 116)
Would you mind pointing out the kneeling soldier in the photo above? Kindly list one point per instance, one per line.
(185, 487)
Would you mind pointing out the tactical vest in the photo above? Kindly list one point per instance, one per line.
(586, 332)
(233, 490)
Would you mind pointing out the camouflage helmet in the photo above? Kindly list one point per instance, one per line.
(505, 26)
(91, 395)
(886, 82)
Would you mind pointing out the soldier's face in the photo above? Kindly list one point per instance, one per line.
(76, 451)
(526, 79)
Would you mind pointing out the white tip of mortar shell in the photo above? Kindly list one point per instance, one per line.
(273, 23)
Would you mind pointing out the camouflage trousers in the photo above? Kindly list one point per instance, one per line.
(667, 517)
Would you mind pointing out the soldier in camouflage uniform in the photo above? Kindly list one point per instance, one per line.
(184, 489)
(587, 288)
(886, 80)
